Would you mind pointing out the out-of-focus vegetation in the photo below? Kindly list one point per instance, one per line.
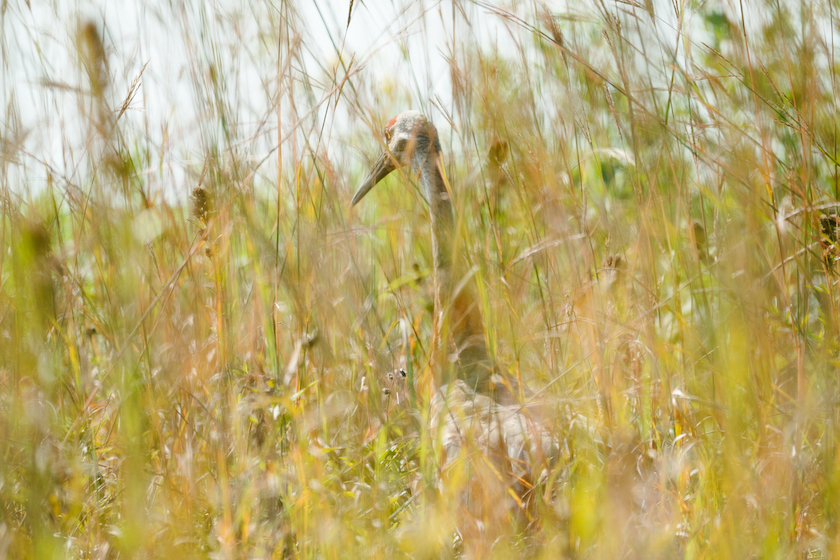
(648, 193)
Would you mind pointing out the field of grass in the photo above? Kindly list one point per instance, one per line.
(196, 330)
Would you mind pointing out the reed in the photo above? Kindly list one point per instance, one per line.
(196, 332)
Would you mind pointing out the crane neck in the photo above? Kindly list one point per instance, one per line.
(458, 307)
(440, 206)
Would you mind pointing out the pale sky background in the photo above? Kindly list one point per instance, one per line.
(41, 76)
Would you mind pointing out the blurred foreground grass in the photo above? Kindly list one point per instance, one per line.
(653, 229)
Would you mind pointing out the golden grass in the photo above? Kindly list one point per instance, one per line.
(652, 228)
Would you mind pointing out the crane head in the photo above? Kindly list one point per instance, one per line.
(409, 140)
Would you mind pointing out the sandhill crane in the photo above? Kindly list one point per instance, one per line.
(478, 409)
(412, 141)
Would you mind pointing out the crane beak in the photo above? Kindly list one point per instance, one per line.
(383, 166)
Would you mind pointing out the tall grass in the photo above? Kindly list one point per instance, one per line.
(196, 330)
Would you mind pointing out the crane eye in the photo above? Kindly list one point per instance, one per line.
(387, 134)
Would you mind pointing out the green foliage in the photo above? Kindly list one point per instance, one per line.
(648, 213)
